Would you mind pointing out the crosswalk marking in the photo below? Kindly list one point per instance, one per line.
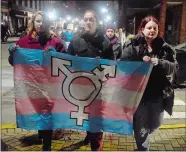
(175, 115)
(178, 102)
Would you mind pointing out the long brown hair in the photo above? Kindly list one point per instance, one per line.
(145, 21)
(46, 22)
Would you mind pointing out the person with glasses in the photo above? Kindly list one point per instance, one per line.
(93, 44)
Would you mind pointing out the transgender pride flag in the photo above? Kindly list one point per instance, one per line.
(55, 90)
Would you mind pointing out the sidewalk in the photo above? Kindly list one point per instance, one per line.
(162, 140)
(11, 40)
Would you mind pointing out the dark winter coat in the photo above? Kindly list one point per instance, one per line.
(32, 43)
(116, 47)
(136, 49)
(92, 46)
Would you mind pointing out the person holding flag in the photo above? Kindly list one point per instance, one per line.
(158, 96)
(39, 37)
(91, 43)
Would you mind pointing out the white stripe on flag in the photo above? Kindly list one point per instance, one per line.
(110, 94)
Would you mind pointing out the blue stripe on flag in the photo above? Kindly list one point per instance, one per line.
(41, 58)
(63, 121)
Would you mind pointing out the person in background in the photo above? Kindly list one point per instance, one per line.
(149, 47)
(27, 30)
(93, 44)
(39, 37)
(116, 33)
(114, 41)
(67, 36)
(124, 36)
(58, 30)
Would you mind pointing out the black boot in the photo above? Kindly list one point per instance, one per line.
(47, 140)
(86, 140)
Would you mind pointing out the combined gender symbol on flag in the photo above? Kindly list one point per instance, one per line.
(59, 91)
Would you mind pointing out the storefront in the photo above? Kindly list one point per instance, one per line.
(4, 11)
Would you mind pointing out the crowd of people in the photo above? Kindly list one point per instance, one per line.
(112, 44)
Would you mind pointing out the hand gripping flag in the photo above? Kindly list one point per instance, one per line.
(59, 91)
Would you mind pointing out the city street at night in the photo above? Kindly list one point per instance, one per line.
(93, 75)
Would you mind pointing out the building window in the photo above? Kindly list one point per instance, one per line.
(13, 2)
(20, 2)
(26, 3)
(39, 5)
(31, 3)
(35, 4)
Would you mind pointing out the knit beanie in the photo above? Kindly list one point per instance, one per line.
(111, 26)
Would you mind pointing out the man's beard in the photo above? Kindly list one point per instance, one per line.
(43, 38)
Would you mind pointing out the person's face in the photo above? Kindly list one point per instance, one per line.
(150, 30)
(38, 23)
(89, 23)
(110, 33)
(120, 30)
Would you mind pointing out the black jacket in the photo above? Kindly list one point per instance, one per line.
(92, 46)
(136, 48)
(116, 47)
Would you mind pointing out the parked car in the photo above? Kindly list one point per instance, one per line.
(19, 30)
(178, 79)
(4, 32)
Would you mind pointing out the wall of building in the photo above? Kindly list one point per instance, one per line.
(20, 11)
(182, 37)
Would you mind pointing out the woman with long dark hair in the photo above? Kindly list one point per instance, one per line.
(148, 46)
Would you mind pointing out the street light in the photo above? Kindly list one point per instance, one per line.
(104, 10)
(101, 22)
(108, 18)
(68, 18)
(52, 15)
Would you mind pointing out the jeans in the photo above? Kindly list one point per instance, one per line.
(147, 118)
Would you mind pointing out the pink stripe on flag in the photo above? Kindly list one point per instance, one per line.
(97, 108)
(38, 74)
(130, 82)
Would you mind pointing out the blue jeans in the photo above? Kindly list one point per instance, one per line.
(147, 118)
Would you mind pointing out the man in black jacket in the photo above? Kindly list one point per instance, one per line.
(91, 43)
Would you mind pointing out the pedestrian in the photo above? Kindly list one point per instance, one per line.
(91, 43)
(26, 32)
(114, 41)
(57, 32)
(124, 36)
(149, 47)
(39, 37)
(67, 35)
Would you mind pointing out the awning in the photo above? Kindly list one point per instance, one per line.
(21, 16)
(169, 4)
(4, 10)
